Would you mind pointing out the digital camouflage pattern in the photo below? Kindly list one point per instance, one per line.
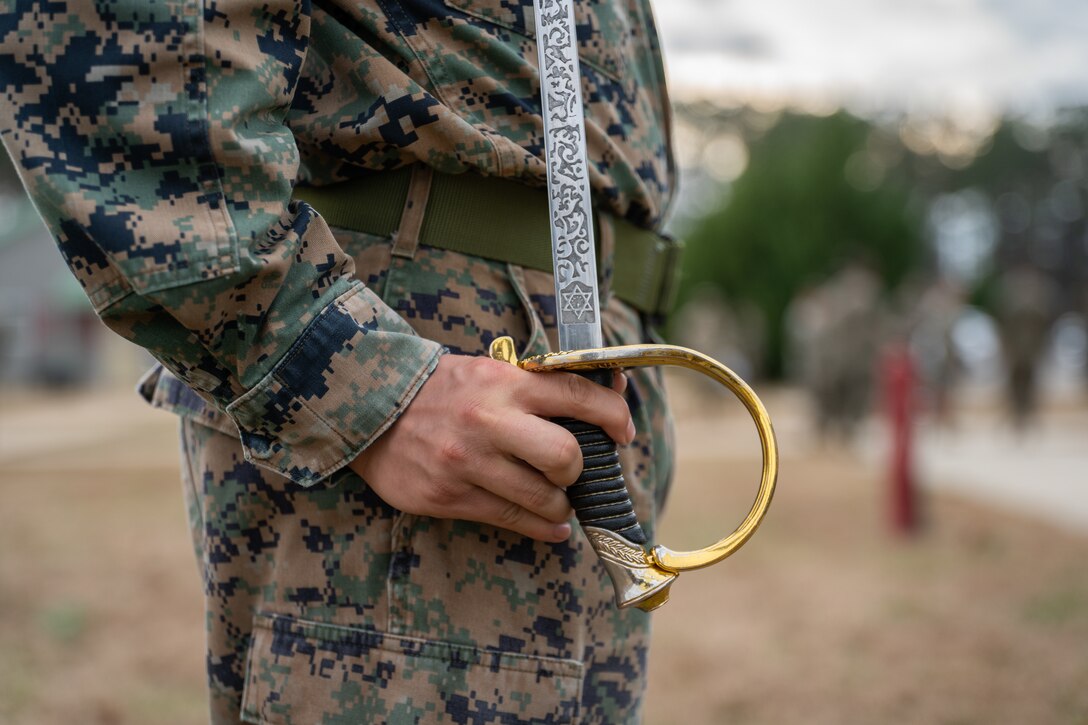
(326, 605)
(160, 140)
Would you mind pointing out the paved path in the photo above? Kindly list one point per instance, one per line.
(1042, 473)
(111, 428)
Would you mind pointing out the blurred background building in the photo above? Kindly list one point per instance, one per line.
(50, 337)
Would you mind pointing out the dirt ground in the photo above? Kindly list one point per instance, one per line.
(824, 618)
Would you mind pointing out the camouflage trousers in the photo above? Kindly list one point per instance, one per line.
(326, 605)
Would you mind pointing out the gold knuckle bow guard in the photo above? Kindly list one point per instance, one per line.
(642, 577)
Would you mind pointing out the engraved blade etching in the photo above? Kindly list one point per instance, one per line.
(569, 203)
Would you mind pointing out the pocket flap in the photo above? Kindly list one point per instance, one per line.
(301, 672)
(604, 29)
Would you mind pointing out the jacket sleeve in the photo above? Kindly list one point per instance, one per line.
(150, 136)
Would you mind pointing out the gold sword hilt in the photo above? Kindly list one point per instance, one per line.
(642, 577)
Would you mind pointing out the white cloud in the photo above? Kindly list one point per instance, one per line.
(917, 55)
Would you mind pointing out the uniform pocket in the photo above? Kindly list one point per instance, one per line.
(459, 300)
(604, 29)
(302, 672)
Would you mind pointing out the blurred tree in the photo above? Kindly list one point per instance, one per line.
(815, 196)
(1035, 178)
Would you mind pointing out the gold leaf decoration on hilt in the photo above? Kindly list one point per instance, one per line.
(617, 549)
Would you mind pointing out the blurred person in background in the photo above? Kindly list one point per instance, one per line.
(935, 315)
(730, 332)
(835, 328)
(1027, 301)
(162, 145)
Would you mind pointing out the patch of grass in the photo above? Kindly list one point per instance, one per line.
(17, 681)
(169, 702)
(1056, 607)
(1071, 706)
(902, 609)
(64, 622)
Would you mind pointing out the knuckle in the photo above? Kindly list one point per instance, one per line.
(622, 419)
(455, 453)
(475, 414)
(568, 457)
(486, 371)
(442, 495)
(617, 409)
(510, 515)
(578, 391)
(539, 498)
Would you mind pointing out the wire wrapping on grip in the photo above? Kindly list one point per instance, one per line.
(599, 496)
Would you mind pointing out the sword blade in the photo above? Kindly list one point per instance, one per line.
(599, 496)
(573, 248)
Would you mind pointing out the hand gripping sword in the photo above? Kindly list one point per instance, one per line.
(640, 574)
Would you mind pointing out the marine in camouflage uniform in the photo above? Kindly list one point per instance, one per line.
(161, 141)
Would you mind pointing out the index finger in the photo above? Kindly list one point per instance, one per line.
(567, 395)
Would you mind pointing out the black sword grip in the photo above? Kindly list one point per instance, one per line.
(600, 496)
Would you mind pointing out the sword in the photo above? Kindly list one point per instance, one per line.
(641, 576)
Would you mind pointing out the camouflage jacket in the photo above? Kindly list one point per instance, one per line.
(161, 141)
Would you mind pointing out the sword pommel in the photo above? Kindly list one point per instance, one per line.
(637, 579)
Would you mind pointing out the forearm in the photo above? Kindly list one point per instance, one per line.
(152, 143)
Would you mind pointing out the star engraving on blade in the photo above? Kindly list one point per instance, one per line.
(577, 306)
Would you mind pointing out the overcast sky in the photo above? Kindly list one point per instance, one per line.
(956, 56)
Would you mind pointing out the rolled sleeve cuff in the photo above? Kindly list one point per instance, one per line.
(341, 385)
